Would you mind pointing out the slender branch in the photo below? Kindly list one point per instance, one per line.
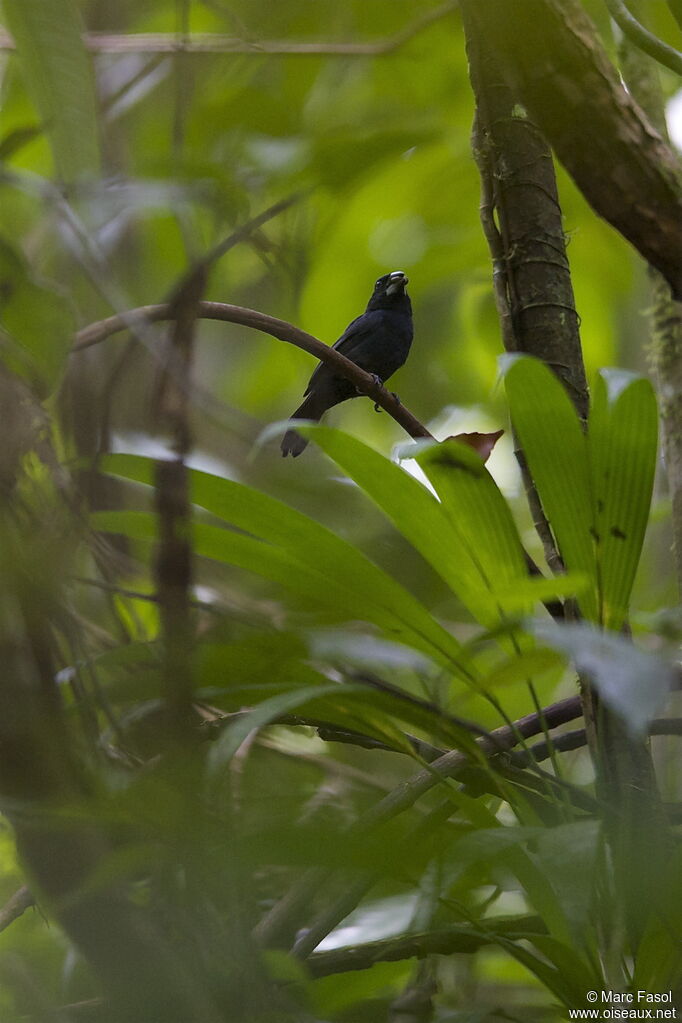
(209, 42)
(449, 941)
(15, 906)
(95, 333)
(641, 37)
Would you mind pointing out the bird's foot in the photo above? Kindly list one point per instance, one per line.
(393, 395)
(379, 383)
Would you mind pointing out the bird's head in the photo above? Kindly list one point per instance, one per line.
(388, 289)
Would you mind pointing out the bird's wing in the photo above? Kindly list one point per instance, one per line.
(354, 339)
(350, 344)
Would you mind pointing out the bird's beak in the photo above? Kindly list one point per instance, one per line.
(398, 280)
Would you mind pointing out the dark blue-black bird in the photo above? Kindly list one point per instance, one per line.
(378, 341)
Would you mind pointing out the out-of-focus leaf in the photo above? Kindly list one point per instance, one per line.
(59, 78)
(575, 976)
(275, 656)
(298, 553)
(622, 441)
(234, 734)
(633, 682)
(377, 598)
(505, 847)
(17, 138)
(659, 964)
(38, 323)
(567, 853)
(522, 667)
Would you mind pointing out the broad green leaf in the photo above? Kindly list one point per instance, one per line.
(336, 576)
(622, 441)
(58, 76)
(448, 533)
(533, 589)
(595, 488)
(633, 682)
(416, 513)
(555, 447)
(478, 515)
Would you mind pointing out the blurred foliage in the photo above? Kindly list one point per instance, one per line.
(119, 170)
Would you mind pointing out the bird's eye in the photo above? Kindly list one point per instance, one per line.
(378, 283)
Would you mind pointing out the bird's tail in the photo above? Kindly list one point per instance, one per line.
(292, 441)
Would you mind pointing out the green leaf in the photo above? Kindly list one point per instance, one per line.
(234, 734)
(38, 324)
(659, 964)
(633, 682)
(479, 516)
(595, 488)
(58, 76)
(468, 536)
(622, 443)
(567, 855)
(296, 552)
(416, 513)
(555, 447)
(521, 667)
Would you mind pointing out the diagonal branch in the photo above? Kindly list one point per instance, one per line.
(95, 333)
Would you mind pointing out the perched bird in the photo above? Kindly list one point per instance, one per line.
(378, 341)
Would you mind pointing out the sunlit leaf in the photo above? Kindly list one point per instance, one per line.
(622, 439)
(555, 447)
(433, 527)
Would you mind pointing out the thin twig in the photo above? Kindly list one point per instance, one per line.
(209, 42)
(15, 906)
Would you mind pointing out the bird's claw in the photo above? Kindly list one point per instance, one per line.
(378, 383)
(393, 395)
